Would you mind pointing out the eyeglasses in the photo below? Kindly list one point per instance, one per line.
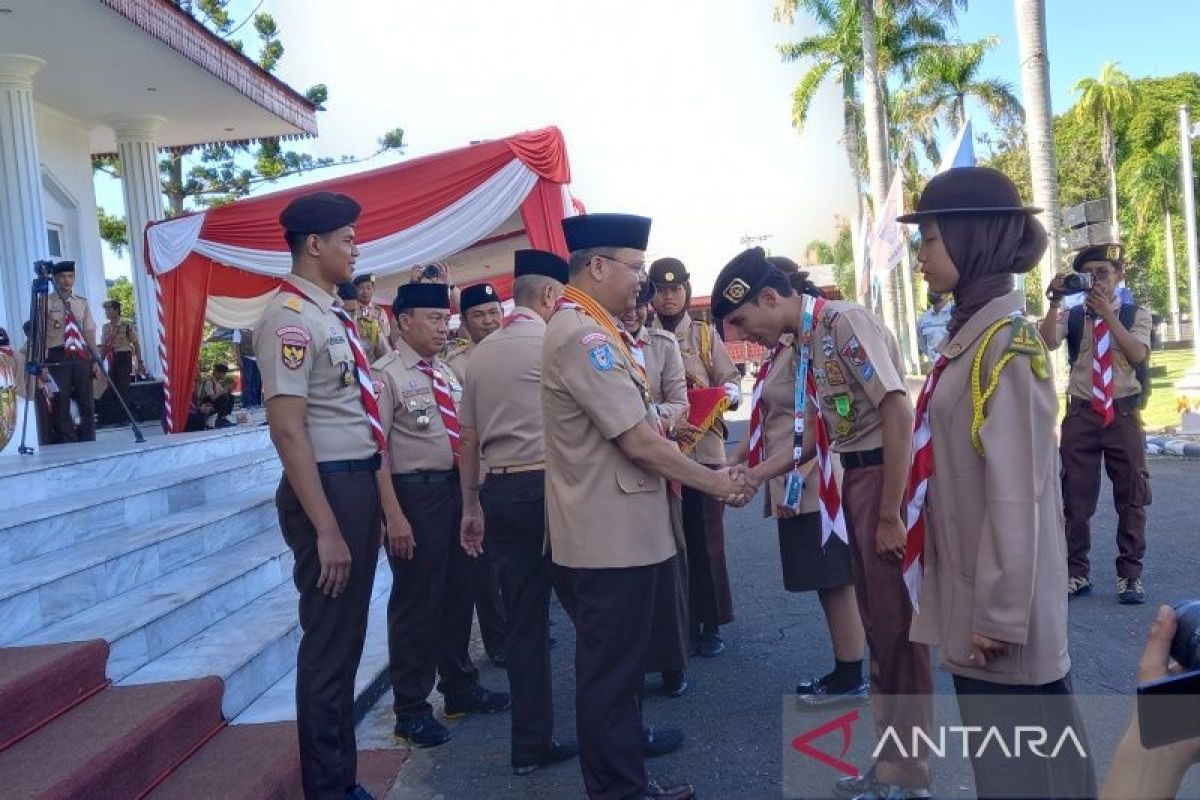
(639, 266)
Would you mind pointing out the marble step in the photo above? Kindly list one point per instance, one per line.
(43, 590)
(41, 527)
(250, 650)
(146, 622)
(61, 470)
(278, 704)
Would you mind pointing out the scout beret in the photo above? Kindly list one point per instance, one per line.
(1112, 253)
(968, 190)
(319, 212)
(606, 230)
(540, 262)
(787, 267)
(740, 281)
(669, 272)
(62, 266)
(364, 278)
(346, 291)
(421, 295)
(477, 295)
(646, 293)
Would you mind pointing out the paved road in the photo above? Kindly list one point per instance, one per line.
(732, 713)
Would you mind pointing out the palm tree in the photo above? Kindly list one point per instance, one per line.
(948, 75)
(1154, 186)
(1106, 101)
(1039, 125)
(840, 254)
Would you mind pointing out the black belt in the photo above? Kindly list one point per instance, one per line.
(353, 465)
(427, 476)
(862, 458)
(1131, 402)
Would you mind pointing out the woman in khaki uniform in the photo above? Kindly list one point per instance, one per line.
(994, 554)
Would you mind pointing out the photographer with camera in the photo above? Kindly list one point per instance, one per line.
(1108, 346)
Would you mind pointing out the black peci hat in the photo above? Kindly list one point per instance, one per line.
(606, 230)
(62, 266)
(669, 272)
(319, 212)
(421, 295)
(740, 281)
(968, 190)
(540, 262)
(477, 295)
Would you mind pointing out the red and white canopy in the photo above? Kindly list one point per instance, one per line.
(225, 263)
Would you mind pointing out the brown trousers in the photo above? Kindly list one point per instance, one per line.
(901, 676)
(709, 597)
(1123, 448)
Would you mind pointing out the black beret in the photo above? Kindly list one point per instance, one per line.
(646, 293)
(669, 272)
(364, 278)
(477, 295)
(606, 230)
(421, 295)
(62, 266)
(540, 262)
(346, 291)
(740, 281)
(1112, 253)
(319, 212)
(968, 190)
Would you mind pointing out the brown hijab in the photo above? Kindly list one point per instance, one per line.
(988, 249)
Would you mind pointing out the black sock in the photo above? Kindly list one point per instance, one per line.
(846, 675)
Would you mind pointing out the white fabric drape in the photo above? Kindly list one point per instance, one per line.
(237, 312)
(171, 242)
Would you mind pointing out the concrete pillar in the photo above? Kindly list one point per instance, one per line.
(138, 151)
(22, 217)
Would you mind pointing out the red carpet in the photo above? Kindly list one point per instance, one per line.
(38, 682)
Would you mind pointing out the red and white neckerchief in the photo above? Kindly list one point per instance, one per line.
(445, 404)
(362, 372)
(758, 443)
(72, 335)
(517, 316)
(920, 472)
(1102, 372)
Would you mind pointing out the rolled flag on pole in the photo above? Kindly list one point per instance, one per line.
(962, 152)
(890, 237)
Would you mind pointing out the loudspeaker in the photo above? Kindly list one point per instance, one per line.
(146, 400)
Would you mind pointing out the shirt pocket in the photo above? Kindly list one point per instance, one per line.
(631, 480)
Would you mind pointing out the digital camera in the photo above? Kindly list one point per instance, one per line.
(1077, 283)
(1169, 708)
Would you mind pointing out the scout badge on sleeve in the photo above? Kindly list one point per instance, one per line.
(293, 345)
(601, 357)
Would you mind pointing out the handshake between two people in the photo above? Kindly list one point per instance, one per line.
(737, 485)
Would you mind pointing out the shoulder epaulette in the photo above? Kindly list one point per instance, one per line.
(294, 303)
(1025, 340)
(384, 360)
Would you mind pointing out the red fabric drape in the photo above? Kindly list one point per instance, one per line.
(542, 213)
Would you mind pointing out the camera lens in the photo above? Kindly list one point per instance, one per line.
(1185, 647)
(430, 271)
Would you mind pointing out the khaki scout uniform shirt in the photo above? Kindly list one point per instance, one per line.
(1125, 382)
(417, 438)
(372, 333)
(57, 315)
(118, 338)
(856, 363)
(779, 403)
(458, 354)
(502, 392)
(303, 352)
(995, 555)
(718, 371)
(664, 368)
(602, 509)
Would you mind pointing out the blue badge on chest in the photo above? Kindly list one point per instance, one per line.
(601, 357)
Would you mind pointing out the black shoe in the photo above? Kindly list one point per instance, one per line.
(674, 683)
(822, 693)
(357, 792)
(476, 701)
(1130, 591)
(710, 644)
(660, 741)
(1078, 586)
(422, 731)
(656, 791)
(557, 753)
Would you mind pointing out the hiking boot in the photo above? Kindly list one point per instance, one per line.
(1078, 586)
(856, 785)
(477, 700)
(422, 731)
(1130, 591)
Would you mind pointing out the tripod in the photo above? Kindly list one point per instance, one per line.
(36, 348)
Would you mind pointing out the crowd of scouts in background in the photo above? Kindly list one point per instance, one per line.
(545, 454)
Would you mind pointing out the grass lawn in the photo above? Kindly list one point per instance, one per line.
(1161, 412)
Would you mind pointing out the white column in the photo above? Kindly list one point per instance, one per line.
(22, 218)
(138, 151)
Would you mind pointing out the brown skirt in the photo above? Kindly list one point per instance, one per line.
(806, 565)
(669, 627)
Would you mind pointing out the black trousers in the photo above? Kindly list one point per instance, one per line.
(120, 367)
(74, 379)
(430, 607)
(333, 628)
(1051, 707)
(610, 609)
(514, 508)
(489, 605)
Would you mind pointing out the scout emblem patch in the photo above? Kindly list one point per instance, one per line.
(854, 353)
(834, 374)
(844, 407)
(601, 357)
(827, 346)
(867, 370)
(736, 291)
(293, 345)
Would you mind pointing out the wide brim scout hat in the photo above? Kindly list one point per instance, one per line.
(477, 295)
(319, 212)
(740, 280)
(969, 190)
(366, 277)
(540, 262)
(421, 295)
(62, 266)
(1112, 253)
(669, 272)
(606, 230)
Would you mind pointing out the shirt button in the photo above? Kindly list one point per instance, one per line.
(641, 481)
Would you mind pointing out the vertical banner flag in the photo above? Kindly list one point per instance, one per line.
(890, 237)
